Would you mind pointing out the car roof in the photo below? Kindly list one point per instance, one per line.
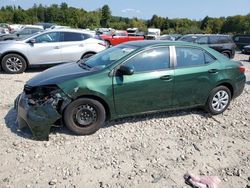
(69, 30)
(201, 35)
(151, 43)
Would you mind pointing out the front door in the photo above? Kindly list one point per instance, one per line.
(149, 88)
(46, 49)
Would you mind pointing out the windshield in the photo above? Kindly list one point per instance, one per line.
(108, 57)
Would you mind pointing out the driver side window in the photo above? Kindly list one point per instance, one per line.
(48, 37)
(150, 60)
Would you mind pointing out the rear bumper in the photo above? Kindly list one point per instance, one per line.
(240, 85)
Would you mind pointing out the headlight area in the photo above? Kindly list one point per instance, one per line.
(41, 107)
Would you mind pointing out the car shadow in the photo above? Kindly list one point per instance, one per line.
(33, 69)
(36, 69)
(10, 121)
(157, 115)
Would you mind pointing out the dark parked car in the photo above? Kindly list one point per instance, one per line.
(46, 25)
(246, 49)
(26, 31)
(221, 43)
(167, 37)
(241, 40)
(129, 79)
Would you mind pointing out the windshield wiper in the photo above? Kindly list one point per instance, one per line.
(83, 65)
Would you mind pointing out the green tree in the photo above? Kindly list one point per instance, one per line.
(106, 15)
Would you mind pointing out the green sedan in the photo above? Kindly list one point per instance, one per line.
(129, 79)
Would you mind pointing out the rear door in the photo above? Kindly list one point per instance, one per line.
(73, 45)
(46, 49)
(196, 73)
(149, 88)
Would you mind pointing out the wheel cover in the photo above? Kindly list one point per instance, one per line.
(85, 115)
(14, 64)
(220, 101)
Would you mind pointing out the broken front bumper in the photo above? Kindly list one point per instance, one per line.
(38, 117)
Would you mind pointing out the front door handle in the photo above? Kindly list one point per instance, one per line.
(166, 77)
(213, 71)
(57, 47)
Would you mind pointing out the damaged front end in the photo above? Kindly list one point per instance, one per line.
(39, 108)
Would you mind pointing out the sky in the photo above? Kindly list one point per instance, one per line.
(144, 9)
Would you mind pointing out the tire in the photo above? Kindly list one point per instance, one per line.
(14, 64)
(84, 116)
(88, 55)
(227, 54)
(218, 100)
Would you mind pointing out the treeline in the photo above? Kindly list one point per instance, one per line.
(80, 18)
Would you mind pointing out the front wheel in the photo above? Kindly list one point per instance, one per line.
(13, 64)
(218, 100)
(84, 116)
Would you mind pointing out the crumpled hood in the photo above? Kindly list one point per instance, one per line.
(58, 74)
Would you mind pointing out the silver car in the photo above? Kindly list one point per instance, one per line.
(49, 47)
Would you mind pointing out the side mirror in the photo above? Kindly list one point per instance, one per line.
(32, 41)
(125, 70)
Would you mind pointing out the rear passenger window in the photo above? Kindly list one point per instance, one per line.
(202, 40)
(150, 60)
(223, 39)
(213, 39)
(208, 58)
(71, 36)
(191, 57)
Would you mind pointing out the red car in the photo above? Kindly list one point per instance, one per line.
(116, 37)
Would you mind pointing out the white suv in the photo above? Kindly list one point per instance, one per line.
(49, 47)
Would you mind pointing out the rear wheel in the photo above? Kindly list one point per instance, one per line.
(88, 55)
(84, 116)
(227, 54)
(218, 100)
(13, 64)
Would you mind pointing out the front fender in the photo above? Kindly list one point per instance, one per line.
(96, 86)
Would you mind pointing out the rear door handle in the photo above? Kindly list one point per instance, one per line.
(166, 77)
(57, 47)
(213, 71)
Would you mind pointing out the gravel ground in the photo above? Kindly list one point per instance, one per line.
(146, 151)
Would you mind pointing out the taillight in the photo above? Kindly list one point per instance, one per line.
(242, 69)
